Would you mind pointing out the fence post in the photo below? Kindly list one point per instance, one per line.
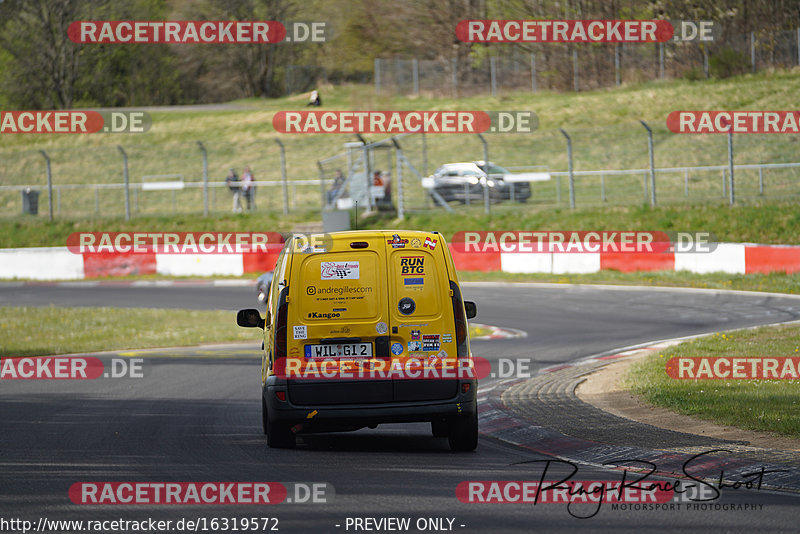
(415, 75)
(377, 76)
(283, 177)
(705, 61)
(760, 180)
(732, 199)
(486, 184)
(205, 179)
(753, 50)
(617, 73)
(661, 61)
(533, 73)
(798, 45)
(322, 184)
(400, 202)
(125, 179)
(493, 74)
(367, 172)
(575, 68)
(603, 187)
(425, 165)
(652, 163)
(454, 76)
(96, 200)
(49, 183)
(686, 181)
(571, 177)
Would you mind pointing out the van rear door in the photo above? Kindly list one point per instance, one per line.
(420, 310)
(339, 313)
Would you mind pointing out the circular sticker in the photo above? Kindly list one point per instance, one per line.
(381, 328)
(416, 243)
(397, 349)
(406, 306)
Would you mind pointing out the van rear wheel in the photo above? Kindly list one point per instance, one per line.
(279, 434)
(463, 432)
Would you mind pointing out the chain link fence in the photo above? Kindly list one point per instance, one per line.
(581, 67)
(611, 166)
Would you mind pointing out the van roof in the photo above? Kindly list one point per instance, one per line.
(350, 234)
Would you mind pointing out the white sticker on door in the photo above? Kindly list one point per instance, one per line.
(300, 332)
(339, 270)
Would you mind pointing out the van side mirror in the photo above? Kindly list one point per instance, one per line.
(250, 318)
(471, 308)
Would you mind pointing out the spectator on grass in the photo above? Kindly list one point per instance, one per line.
(232, 181)
(249, 188)
(314, 99)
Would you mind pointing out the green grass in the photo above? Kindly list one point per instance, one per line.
(33, 331)
(603, 124)
(769, 223)
(763, 405)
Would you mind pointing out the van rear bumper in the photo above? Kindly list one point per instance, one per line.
(326, 416)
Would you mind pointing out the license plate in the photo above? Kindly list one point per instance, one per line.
(342, 350)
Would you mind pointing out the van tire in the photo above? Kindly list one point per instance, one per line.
(439, 428)
(264, 415)
(463, 432)
(279, 435)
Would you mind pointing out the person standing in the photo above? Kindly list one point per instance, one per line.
(248, 188)
(232, 181)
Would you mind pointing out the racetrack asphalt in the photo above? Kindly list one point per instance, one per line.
(195, 416)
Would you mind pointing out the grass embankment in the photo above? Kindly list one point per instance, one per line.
(33, 331)
(603, 125)
(763, 405)
(768, 223)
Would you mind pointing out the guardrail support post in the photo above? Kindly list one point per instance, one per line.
(49, 183)
(571, 176)
(760, 180)
(652, 164)
(283, 177)
(125, 179)
(205, 179)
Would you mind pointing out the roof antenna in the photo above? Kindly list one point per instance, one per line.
(356, 208)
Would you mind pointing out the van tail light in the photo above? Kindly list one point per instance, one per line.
(460, 322)
(279, 348)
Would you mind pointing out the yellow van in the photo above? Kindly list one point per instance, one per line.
(364, 328)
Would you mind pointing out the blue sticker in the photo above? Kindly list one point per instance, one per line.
(414, 281)
(397, 349)
(414, 346)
